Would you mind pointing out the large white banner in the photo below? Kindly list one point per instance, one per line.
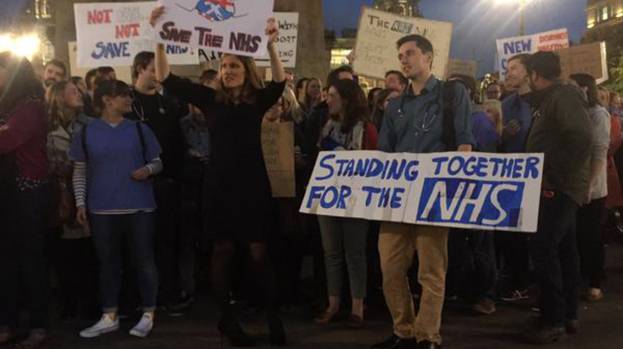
(547, 41)
(460, 190)
(375, 51)
(230, 26)
(111, 34)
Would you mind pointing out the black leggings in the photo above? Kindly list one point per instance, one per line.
(261, 268)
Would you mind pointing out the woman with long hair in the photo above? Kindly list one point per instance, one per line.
(591, 232)
(380, 103)
(312, 96)
(114, 158)
(347, 129)
(73, 256)
(24, 200)
(237, 191)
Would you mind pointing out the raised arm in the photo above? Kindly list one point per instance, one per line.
(162, 65)
(276, 67)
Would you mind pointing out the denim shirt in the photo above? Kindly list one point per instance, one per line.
(413, 124)
(514, 107)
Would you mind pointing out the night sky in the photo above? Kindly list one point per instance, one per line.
(477, 23)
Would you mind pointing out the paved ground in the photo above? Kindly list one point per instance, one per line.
(602, 326)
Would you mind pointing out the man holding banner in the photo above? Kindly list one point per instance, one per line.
(417, 122)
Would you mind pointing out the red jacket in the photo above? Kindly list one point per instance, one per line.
(25, 133)
(370, 136)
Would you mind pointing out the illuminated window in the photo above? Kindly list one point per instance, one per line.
(43, 9)
(604, 13)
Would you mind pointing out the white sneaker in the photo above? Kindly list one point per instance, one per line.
(105, 325)
(144, 326)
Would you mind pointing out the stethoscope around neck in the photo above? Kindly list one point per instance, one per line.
(432, 110)
(141, 114)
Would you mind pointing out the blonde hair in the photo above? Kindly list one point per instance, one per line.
(290, 98)
(253, 82)
(496, 106)
(56, 103)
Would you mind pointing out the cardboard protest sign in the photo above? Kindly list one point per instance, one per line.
(375, 50)
(288, 23)
(460, 190)
(587, 59)
(467, 67)
(278, 148)
(286, 43)
(547, 41)
(231, 26)
(113, 33)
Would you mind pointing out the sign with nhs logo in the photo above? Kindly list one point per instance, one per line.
(460, 190)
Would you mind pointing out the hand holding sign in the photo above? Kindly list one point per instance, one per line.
(272, 31)
(155, 15)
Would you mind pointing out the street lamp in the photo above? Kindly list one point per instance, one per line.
(522, 5)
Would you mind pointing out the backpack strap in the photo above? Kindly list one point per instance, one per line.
(141, 136)
(83, 139)
(448, 133)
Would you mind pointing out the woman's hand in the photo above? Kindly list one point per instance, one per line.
(272, 31)
(155, 14)
(81, 217)
(141, 174)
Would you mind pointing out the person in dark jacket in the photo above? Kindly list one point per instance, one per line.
(24, 201)
(163, 117)
(562, 130)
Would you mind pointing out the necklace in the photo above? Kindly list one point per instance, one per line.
(140, 111)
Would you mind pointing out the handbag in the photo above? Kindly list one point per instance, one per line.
(63, 203)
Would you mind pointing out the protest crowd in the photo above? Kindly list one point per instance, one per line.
(142, 197)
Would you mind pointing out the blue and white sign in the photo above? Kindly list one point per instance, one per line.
(460, 190)
(553, 40)
(113, 33)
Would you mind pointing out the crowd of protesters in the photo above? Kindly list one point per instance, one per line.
(122, 192)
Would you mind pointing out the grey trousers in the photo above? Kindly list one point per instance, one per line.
(345, 236)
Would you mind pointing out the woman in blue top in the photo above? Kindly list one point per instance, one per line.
(114, 158)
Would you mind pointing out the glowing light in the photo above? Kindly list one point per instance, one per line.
(506, 2)
(25, 46)
(590, 25)
(620, 14)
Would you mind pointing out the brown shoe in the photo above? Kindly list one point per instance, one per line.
(484, 306)
(594, 295)
(572, 326)
(355, 322)
(324, 318)
(34, 342)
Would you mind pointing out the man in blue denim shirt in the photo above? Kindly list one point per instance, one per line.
(414, 123)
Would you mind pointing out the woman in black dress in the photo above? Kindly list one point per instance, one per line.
(238, 195)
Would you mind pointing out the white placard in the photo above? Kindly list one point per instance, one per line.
(111, 34)
(376, 51)
(288, 23)
(230, 26)
(547, 41)
(460, 190)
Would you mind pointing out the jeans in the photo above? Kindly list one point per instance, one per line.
(23, 269)
(398, 243)
(349, 235)
(591, 239)
(472, 262)
(556, 261)
(108, 233)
